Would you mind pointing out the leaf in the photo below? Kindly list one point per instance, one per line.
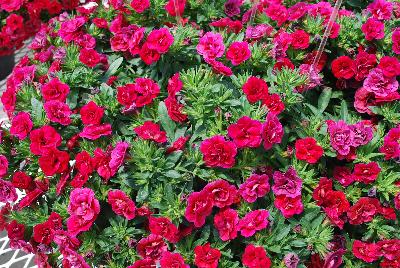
(142, 194)
(72, 99)
(113, 68)
(172, 174)
(344, 112)
(324, 99)
(165, 120)
(37, 111)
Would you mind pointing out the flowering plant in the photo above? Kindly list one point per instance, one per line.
(184, 134)
(20, 20)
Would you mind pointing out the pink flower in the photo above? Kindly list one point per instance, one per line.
(289, 206)
(58, 112)
(343, 175)
(255, 257)
(381, 9)
(246, 132)
(151, 247)
(172, 260)
(89, 57)
(93, 132)
(121, 204)
(175, 110)
(373, 29)
(219, 67)
(199, 206)
(118, 156)
(11, 6)
(146, 263)
(21, 125)
(368, 252)
(363, 134)
(217, 152)
(300, 39)
(390, 66)
(206, 256)
(151, 131)
(396, 40)
(140, 5)
(274, 103)
(226, 221)
(380, 85)
(71, 29)
(238, 52)
(288, 183)
(272, 131)
(160, 40)
(253, 221)
(341, 136)
(391, 144)
(55, 90)
(7, 192)
(221, 192)
(297, 11)
(211, 45)
(277, 13)
(174, 85)
(232, 7)
(308, 150)
(164, 227)
(254, 187)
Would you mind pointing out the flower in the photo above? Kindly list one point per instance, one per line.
(174, 109)
(43, 233)
(55, 90)
(15, 230)
(199, 206)
(121, 204)
(89, 57)
(160, 40)
(93, 132)
(373, 29)
(151, 247)
(300, 39)
(7, 192)
(381, 9)
(91, 114)
(368, 252)
(287, 184)
(274, 103)
(343, 67)
(217, 152)
(211, 45)
(151, 131)
(22, 181)
(254, 257)
(44, 139)
(341, 136)
(238, 52)
(221, 192)
(164, 227)
(146, 263)
(246, 132)
(289, 206)
(308, 150)
(277, 13)
(21, 125)
(226, 222)
(54, 162)
(175, 260)
(364, 210)
(206, 256)
(255, 89)
(390, 66)
(254, 187)
(366, 173)
(396, 40)
(58, 112)
(272, 131)
(140, 5)
(253, 221)
(381, 86)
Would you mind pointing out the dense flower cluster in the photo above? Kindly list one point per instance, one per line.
(21, 19)
(206, 134)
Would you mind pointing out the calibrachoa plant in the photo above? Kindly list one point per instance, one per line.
(185, 134)
(21, 19)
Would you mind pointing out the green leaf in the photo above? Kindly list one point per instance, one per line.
(72, 99)
(324, 99)
(166, 122)
(344, 112)
(143, 193)
(38, 114)
(172, 174)
(113, 68)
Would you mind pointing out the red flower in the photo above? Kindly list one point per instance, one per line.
(55, 90)
(373, 29)
(164, 227)
(3, 166)
(255, 89)
(199, 206)
(368, 252)
(390, 66)
(43, 233)
(390, 249)
(175, 7)
(343, 67)
(300, 39)
(91, 114)
(206, 256)
(93, 132)
(21, 125)
(22, 181)
(146, 91)
(289, 206)
(308, 150)
(274, 103)
(255, 257)
(246, 132)
(151, 247)
(364, 210)
(149, 56)
(160, 40)
(146, 263)
(174, 109)
(366, 173)
(84, 163)
(253, 221)
(89, 57)
(178, 145)
(320, 192)
(121, 204)
(217, 152)
(172, 260)
(222, 193)
(277, 13)
(343, 175)
(335, 207)
(140, 5)
(226, 221)
(151, 131)
(11, 6)
(272, 131)
(58, 112)
(238, 52)
(15, 230)
(54, 162)
(363, 64)
(254, 187)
